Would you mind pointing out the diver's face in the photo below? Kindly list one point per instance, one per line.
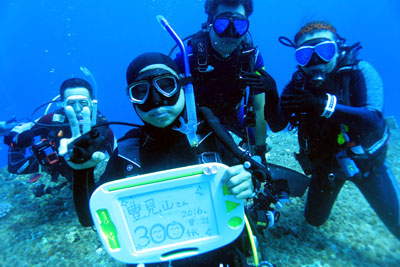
(77, 98)
(159, 110)
(324, 67)
(226, 45)
(163, 116)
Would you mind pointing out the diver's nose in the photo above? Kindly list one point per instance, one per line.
(156, 98)
(315, 60)
(231, 30)
(77, 107)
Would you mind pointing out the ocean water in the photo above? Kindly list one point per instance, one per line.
(44, 42)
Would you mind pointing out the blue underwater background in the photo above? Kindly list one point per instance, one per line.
(45, 42)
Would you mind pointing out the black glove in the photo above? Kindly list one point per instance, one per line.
(255, 81)
(262, 83)
(303, 101)
(82, 148)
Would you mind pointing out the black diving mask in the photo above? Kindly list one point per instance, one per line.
(166, 84)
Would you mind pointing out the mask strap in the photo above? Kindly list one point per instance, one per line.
(185, 80)
(287, 42)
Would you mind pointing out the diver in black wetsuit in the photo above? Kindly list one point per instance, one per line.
(155, 89)
(228, 71)
(335, 101)
(43, 136)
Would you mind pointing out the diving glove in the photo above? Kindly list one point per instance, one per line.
(255, 81)
(303, 101)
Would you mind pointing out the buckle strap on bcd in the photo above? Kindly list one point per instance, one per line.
(200, 51)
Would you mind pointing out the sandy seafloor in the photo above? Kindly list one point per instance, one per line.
(45, 231)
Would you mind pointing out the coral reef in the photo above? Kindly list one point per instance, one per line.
(44, 231)
(5, 208)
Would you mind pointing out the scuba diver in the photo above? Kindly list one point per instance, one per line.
(155, 89)
(34, 145)
(228, 72)
(335, 102)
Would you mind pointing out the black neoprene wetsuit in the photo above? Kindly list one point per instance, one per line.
(149, 149)
(318, 140)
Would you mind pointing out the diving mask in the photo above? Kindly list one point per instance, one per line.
(167, 85)
(325, 50)
(78, 102)
(229, 24)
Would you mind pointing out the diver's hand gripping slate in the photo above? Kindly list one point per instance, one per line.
(167, 215)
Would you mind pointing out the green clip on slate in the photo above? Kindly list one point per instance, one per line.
(167, 215)
(108, 229)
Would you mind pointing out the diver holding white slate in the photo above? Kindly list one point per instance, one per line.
(191, 215)
(167, 215)
(155, 89)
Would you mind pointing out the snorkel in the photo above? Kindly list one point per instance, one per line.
(94, 100)
(189, 128)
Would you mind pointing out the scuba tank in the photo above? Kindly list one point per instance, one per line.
(347, 62)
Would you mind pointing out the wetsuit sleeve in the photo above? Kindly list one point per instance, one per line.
(260, 70)
(83, 185)
(361, 118)
(366, 100)
(111, 144)
(276, 117)
(273, 114)
(259, 61)
(82, 188)
(114, 169)
(373, 84)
